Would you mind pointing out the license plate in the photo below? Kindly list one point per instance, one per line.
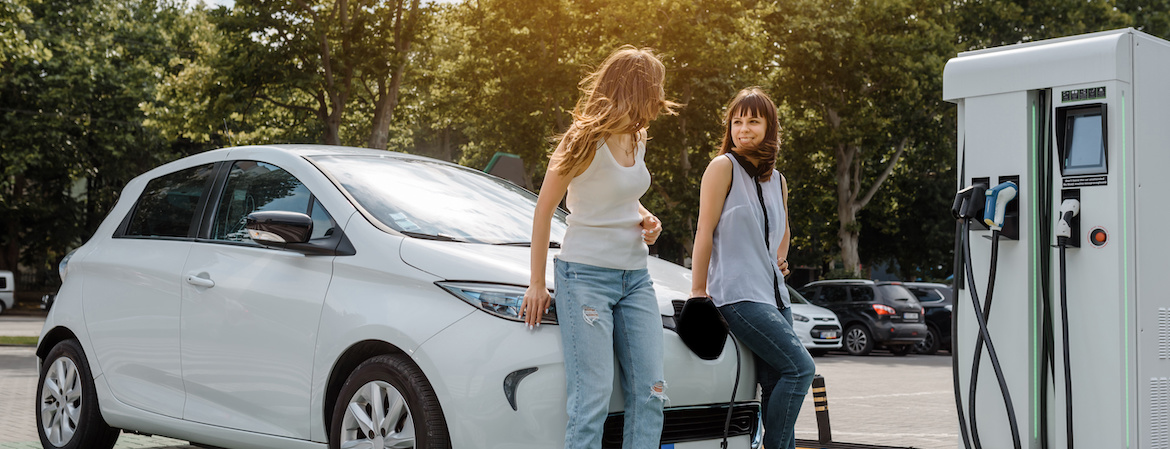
(829, 334)
(910, 316)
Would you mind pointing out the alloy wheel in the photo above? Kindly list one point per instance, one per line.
(60, 404)
(377, 418)
(856, 340)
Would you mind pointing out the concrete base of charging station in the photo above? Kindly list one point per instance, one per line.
(812, 444)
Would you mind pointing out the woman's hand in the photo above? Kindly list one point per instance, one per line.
(651, 229)
(536, 302)
(783, 264)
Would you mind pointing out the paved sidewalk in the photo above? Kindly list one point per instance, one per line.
(12, 325)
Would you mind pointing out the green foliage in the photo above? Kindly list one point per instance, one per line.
(71, 131)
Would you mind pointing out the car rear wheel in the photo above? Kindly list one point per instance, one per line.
(858, 341)
(930, 344)
(68, 416)
(388, 403)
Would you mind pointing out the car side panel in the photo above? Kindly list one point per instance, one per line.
(259, 322)
(374, 296)
(138, 352)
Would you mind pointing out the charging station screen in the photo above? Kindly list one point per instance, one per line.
(1084, 143)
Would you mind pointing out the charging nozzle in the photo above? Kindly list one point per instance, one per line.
(997, 200)
(1069, 208)
(969, 202)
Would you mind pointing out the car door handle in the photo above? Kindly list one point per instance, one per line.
(200, 281)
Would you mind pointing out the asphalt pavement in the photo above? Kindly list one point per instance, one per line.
(904, 402)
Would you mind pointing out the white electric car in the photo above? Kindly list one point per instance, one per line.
(317, 296)
(818, 327)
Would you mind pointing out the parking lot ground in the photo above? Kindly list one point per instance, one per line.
(881, 399)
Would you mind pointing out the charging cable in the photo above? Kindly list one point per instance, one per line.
(992, 202)
(1069, 208)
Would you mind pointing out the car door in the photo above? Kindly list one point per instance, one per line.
(250, 314)
(132, 292)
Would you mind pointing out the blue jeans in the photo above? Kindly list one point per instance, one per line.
(607, 314)
(784, 368)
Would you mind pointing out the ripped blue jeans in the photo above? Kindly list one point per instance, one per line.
(605, 315)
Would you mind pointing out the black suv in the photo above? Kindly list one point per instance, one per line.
(936, 303)
(872, 313)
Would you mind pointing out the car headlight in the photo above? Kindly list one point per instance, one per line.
(63, 267)
(799, 317)
(500, 300)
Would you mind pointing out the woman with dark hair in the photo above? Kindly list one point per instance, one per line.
(606, 306)
(740, 258)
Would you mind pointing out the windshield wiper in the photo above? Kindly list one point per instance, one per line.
(550, 244)
(439, 237)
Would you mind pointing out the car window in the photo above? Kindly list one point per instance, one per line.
(926, 294)
(896, 293)
(432, 199)
(861, 293)
(833, 294)
(167, 205)
(3, 283)
(259, 187)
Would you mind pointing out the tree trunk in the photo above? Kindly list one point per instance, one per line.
(847, 231)
(384, 110)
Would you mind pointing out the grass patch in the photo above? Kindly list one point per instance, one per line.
(22, 341)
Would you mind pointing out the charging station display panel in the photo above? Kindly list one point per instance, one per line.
(1083, 146)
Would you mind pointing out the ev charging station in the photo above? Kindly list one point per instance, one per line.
(1070, 272)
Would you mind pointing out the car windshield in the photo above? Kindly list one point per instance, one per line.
(795, 297)
(439, 201)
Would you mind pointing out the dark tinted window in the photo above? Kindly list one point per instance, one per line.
(926, 294)
(3, 283)
(167, 206)
(258, 187)
(896, 293)
(861, 293)
(833, 294)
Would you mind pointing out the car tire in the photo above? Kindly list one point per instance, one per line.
(68, 416)
(930, 343)
(3, 308)
(858, 340)
(392, 393)
(901, 350)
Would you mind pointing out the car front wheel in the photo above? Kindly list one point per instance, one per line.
(388, 403)
(67, 408)
(858, 341)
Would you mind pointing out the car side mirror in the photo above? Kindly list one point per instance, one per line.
(278, 228)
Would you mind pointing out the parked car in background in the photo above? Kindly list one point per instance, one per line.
(937, 303)
(47, 300)
(7, 291)
(817, 327)
(303, 296)
(872, 313)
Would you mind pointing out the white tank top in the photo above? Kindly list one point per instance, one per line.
(604, 223)
(742, 267)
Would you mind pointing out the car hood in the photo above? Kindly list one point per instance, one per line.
(812, 311)
(456, 261)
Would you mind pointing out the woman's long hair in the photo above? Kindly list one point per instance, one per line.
(622, 96)
(754, 102)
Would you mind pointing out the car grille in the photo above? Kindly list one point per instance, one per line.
(683, 424)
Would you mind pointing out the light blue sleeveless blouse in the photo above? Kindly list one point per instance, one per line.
(742, 268)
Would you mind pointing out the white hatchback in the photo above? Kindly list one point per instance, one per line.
(301, 296)
(818, 327)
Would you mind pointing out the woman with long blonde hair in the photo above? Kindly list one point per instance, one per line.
(606, 306)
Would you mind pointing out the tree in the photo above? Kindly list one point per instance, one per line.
(71, 131)
(861, 78)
